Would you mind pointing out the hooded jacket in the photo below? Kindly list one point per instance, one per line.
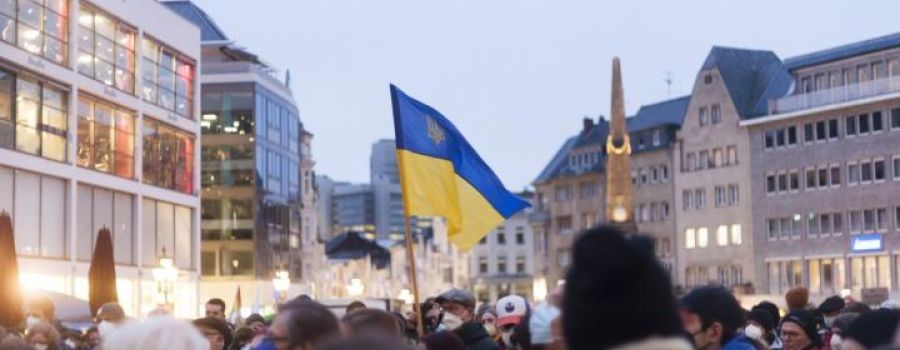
(475, 337)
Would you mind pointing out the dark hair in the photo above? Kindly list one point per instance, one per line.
(874, 329)
(443, 341)
(771, 308)
(715, 304)
(522, 334)
(368, 342)
(356, 305)
(371, 321)
(242, 336)
(217, 325)
(309, 322)
(218, 302)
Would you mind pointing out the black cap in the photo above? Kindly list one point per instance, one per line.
(217, 325)
(254, 318)
(833, 303)
(874, 329)
(715, 304)
(807, 321)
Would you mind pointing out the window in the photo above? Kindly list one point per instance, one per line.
(877, 122)
(896, 168)
(780, 139)
(101, 208)
(168, 157)
(715, 113)
(808, 135)
(869, 220)
(855, 221)
(837, 222)
(105, 137)
(717, 160)
(820, 130)
(880, 172)
(865, 170)
(702, 237)
(704, 118)
(782, 183)
(707, 79)
(793, 224)
(771, 184)
(833, 131)
(520, 236)
(501, 237)
(664, 210)
(732, 158)
(863, 123)
(825, 224)
(734, 194)
(812, 224)
(720, 196)
(33, 116)
(810, 179)
(700, 198)
(823, 177)
(897, 218)
(688, 163)
(794, 178)
(168, 78)
(852, 173)
(895, 118)
(105, 49)
(520, 264)
(687, 199)
(501, 264)
(772, 228)
(792, 135)
(656, 138)
(40, 205)
(664, 172)
(704, 161)
(482, 264)
(722, 235)
(850, 125)
(690, 238)
(736, 236)
(882, 217)
(836, 175)
(36, 28)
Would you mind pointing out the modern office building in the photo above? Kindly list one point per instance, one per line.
(353, 209)
(256, 169)
(98, 129)
(385, 180)
(825, 169)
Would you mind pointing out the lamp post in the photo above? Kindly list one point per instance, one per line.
(281, 283)
(165, 276)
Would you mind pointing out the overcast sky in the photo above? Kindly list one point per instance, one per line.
(515, 76)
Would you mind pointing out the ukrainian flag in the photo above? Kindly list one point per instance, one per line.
(442, 175)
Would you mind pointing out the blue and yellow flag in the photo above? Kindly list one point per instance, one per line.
(442, 175)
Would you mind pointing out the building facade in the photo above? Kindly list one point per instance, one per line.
(87, 142)
(386, 191)
(257, 169)
(353, 209)
(825, 168)
(503, 262)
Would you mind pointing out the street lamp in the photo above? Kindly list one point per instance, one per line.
(281, 283)
(165, 276)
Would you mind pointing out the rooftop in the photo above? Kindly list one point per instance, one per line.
(209, 31)
(843, 51)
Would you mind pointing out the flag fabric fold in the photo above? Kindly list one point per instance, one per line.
(442, 175)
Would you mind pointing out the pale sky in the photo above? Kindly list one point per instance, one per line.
(515, 76)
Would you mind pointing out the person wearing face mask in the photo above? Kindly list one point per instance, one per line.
(511, 310)
(110, 316)
(829, 309)
(41, 309)
(799, 331)
(487, 316)
(459, 317)
(712, 316)
(760, 326)
(43, 336)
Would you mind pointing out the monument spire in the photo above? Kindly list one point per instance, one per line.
(619, 189)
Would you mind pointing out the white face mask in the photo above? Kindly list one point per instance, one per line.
(507, 338)
(71, 344)
(491, 329)
(451, 321)
(105, 328)
(32, 321)
(836, 342)
(752, 331)
(40, 346)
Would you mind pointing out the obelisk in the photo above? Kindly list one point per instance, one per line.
(619, 189)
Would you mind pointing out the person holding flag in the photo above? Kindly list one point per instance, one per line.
(441, 175)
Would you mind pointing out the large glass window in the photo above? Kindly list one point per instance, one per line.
(40, 116)
(227, 109)
(37, 26)
(167, 78)
(105, 49)
(99, 208)
(168, 156)
(38, 204)
(172, 225)
(105, 137)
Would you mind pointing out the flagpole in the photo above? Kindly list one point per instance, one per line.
(410, 252)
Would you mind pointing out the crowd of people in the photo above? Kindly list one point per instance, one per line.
(616, 296)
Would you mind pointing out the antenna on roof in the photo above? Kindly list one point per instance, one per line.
(668, 81)
(287, 78)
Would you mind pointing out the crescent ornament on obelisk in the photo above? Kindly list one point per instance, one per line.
(619, 189)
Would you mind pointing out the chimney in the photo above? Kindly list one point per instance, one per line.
(588, 125)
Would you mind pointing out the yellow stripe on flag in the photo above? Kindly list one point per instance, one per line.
(432, 188)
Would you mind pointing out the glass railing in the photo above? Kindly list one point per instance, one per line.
(835, 95)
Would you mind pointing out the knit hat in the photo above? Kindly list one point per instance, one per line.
(807, 321)
(763, 318)
(833, 303)
(715, 304)
(772, 309)
(616, 292)
(874, 328)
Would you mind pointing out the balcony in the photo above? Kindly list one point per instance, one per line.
(840, 94)
(267, 74)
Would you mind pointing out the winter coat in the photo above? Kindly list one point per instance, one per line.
(657, 344)
(475, 337)
(741, 342)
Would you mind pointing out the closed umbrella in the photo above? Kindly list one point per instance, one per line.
(10, 293)
(102, 274)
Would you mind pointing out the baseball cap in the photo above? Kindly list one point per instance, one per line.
(510, 310)
(457, 295)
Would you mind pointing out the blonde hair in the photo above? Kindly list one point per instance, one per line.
(156, 333)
